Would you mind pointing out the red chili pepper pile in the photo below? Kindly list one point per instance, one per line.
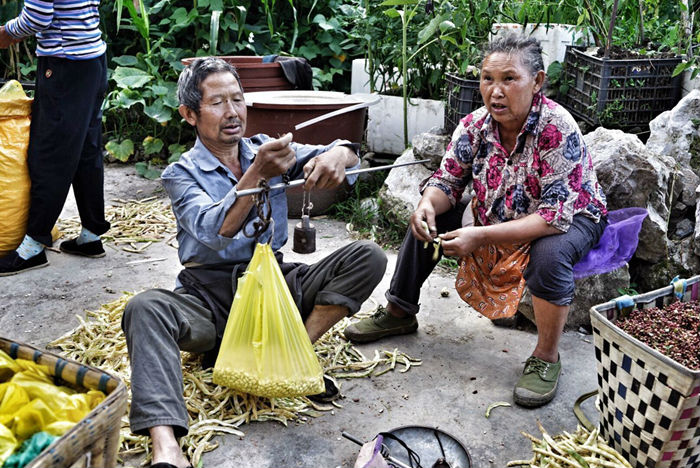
(674, 331)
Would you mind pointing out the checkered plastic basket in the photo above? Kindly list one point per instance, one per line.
(649, 404)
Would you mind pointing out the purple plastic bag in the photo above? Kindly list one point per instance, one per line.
(370, 455)
(617, 244)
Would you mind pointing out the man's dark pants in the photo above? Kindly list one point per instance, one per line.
(65, 144)
(159, 323)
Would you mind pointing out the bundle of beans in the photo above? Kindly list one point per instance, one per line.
(136, 224)
(582, 449)
(673, 330)
(213, 409)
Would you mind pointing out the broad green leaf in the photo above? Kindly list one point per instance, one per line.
(322, 22)
(214, 31)
(170, 100)
(158, 112)
(392, 13)
(449, 39)
(120, 151)
(335, 47)
(146, 170)
(447, 25)
(152, 145)
(309, 52)
(398, 2)
(175, 151)
(159, 89)
(128, 77)
(127, 98)
(126, 60)
(680, 68)
(181, 17)
(155, 9)
(429, 30)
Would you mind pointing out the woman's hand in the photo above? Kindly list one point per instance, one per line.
(461, 242)
(422, 221)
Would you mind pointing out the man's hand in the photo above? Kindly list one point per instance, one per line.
(275, 157)
(5, 39)
(327, 170)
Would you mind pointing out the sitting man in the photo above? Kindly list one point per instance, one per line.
(212, 223)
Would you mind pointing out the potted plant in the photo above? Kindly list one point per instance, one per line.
(411, 45)
(624, 82)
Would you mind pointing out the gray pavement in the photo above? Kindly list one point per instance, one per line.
(468, 363)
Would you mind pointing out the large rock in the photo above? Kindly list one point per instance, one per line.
(632, 176)
(684, 182)
(696, 235)
(590, 291)
(676, 133)
(430, 146)
(651, 276)
(399, 196)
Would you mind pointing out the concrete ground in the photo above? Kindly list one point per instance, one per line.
(468, 363)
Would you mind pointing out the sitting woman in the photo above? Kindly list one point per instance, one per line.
(537, 209)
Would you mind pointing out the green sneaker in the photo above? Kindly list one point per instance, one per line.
(379, 325)
(538, 384)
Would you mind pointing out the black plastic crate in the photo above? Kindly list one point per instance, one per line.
(618, 93)
(463, 97)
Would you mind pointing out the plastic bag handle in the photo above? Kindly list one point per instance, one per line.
(624, 305)
(679, 287)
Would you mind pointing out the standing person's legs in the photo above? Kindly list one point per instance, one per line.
(550, 279)
(414, 264)
(63, 114)
(88, 179)
(158, 324)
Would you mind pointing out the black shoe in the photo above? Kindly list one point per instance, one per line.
(92, 249)
(12, 263)
(331, 393)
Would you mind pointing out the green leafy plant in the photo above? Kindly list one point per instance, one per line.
(610, 114)
(557, 81)
(406, 14)
(368, 223)
(17, 61)
(629, 291)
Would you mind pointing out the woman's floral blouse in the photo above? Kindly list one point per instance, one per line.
(550, 172)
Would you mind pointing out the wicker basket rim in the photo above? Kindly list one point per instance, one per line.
(596, 312)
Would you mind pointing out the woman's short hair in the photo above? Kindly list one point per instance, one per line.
(528, 49)
(189, 92)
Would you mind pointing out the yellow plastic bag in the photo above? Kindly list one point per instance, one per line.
(8, 444)
(30, 402)
(15, 119)
(8, 367)
(12, 398)
(265, 349)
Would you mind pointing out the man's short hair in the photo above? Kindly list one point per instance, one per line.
(189, 92)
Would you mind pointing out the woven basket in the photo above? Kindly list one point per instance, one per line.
(94, 440)
(649, 403)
